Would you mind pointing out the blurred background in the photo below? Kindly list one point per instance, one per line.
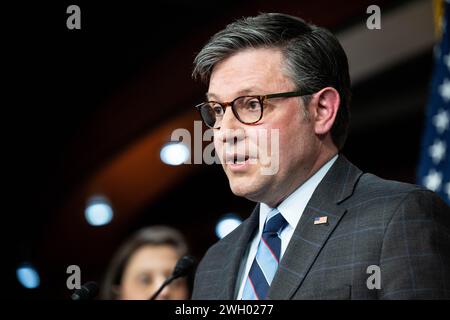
(92, 110)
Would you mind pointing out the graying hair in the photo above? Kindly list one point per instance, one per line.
(314, 59)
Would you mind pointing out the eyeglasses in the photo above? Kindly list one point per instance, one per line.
(247, 109)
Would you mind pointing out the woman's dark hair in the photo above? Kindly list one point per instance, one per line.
(313, 57)
(155, 235)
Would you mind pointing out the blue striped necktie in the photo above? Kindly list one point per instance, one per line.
(267, 258)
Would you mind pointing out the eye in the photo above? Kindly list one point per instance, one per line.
(145, 279)
(252, 104)
(216, 109)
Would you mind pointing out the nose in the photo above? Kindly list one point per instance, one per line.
(231, 129)
(229, 120)
(165, 293)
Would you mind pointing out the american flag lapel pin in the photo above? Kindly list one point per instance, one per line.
(320, 220)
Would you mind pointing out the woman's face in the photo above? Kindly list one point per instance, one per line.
(145, 272)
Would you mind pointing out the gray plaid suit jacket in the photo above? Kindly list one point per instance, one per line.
(404, 229)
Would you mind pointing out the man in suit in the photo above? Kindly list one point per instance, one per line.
(322, 229)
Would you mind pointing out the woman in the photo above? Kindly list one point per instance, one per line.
(143, 262)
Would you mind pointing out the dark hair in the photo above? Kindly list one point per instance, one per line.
(314, 59)
(155, 235)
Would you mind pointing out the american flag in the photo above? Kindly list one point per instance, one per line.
(320, 220)
(434, 166)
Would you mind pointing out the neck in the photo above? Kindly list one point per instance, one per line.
(320, 161)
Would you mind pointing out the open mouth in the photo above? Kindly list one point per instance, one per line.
(238, 159)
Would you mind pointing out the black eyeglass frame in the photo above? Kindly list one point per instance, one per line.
(261, 99)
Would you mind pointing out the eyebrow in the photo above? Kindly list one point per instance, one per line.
(210, 95)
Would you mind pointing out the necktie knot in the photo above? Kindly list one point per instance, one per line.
(275, 224)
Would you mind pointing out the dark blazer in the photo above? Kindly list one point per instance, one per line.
(402, 228)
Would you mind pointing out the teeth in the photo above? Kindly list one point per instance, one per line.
(239, 160)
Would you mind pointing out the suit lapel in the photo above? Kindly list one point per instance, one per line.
(308, 238)
(238, 248)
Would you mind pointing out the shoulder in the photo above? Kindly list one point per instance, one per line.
(215, 256)
(371, 188)
(214, 268)
(370, 183)
(393, 197)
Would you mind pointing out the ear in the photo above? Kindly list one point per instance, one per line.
(327, 106)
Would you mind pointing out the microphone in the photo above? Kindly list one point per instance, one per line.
(87, 291)
(183, 267)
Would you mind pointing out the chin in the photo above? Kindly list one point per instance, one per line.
(241, 187)
(246, 188)
(238, 189)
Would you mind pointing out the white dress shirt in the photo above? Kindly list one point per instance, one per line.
(292, 209)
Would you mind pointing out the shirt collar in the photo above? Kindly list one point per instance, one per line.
(293, 206)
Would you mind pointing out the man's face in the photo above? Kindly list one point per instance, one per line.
(259, 72)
